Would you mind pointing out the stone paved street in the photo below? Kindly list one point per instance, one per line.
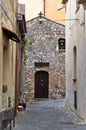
(48, 115)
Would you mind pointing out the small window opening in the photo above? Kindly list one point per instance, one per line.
(61, 44)
(74, 63)
(75, 99)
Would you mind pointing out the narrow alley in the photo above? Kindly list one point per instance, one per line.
(42, 56)
(48, 115)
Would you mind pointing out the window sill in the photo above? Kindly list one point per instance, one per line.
(61, 50)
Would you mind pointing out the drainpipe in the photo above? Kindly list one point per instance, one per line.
(44, 7)
(17, 73)
(16, 85)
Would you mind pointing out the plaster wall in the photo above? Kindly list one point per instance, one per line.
(8, 53)
(75, 37)
(52, 12)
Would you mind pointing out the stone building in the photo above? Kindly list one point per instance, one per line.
(44, 59)
(75, 56)
(47, 7)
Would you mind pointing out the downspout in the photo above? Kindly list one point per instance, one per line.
(17, 74)
(44, 7)
(16, 85)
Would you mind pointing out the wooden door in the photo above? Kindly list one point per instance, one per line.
(41, 84)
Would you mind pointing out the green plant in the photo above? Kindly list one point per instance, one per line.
(26, 41)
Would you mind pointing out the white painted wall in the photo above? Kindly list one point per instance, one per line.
(75, 36)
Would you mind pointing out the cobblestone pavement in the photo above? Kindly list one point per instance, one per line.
(48, 115)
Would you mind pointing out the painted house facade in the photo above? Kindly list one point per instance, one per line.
(8, 39)
(75, 56)
(44, 60)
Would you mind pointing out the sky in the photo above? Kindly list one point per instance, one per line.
(30, 11)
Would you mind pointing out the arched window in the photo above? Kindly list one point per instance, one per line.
(74, 63)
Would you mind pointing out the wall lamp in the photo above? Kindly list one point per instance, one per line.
(40, 17)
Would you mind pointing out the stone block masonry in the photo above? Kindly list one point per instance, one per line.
(43, 39)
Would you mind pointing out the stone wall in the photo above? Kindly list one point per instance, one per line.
(42, 47)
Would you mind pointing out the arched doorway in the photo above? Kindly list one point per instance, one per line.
(41, 84)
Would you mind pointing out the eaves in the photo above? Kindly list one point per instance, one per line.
(64, 1)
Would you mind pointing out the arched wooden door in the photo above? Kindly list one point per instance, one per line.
(41, 84)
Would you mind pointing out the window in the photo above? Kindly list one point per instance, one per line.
(75, 99)
(74, 63)
(61, 44)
